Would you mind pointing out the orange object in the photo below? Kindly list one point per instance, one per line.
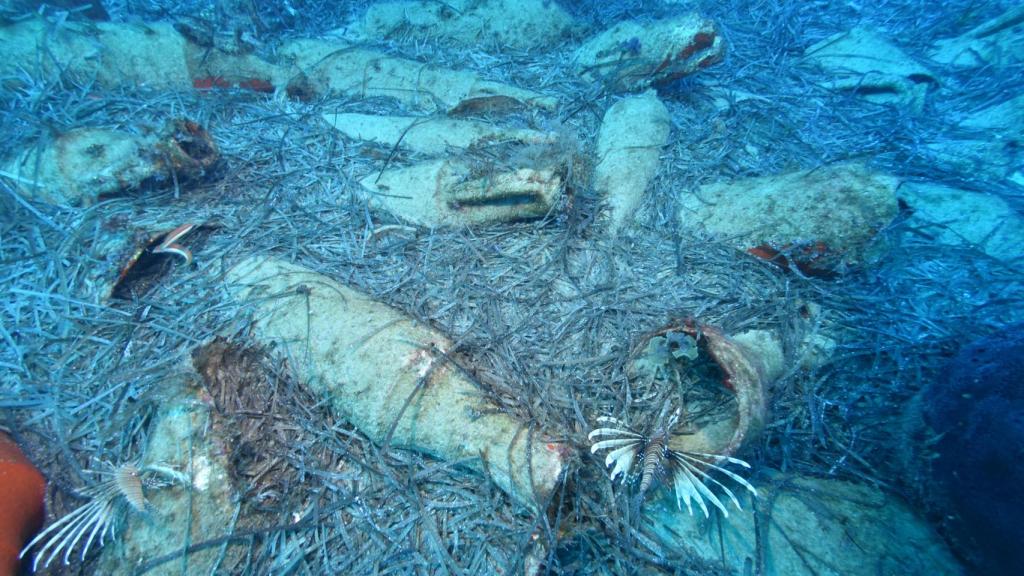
(257, 85)
(810, 260)
(209, 82)
(22, 491)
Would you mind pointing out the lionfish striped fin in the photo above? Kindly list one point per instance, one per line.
(623, 459)
(613, 432)
(614, 443)
(728, 473)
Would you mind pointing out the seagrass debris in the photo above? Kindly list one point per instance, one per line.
(633, 133)
(819, 136)
(389, 376)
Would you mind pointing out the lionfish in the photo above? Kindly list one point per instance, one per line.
(689, 471)
(99, 515)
